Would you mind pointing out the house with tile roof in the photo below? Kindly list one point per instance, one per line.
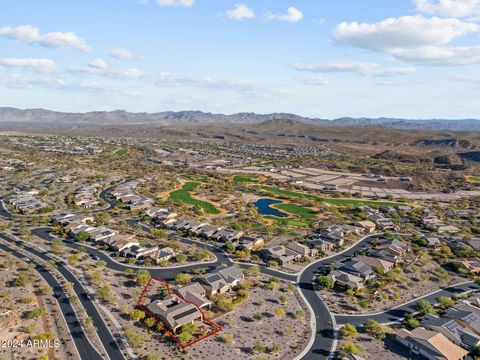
(430, 344)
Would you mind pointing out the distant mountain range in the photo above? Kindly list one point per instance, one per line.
(120, 117)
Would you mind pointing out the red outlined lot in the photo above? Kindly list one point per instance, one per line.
(216, 328)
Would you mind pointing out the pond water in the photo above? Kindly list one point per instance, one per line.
(263, 206)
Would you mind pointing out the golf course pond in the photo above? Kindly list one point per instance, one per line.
(264, 207)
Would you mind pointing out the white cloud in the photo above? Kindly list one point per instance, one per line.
(449, 8)
(79, 70)
(17, 81)
(167, 79)
(440, 56)
(126, 74)
(314, 81)
(184, 3)
(362, 68)
(120, 53)
(468, 78)
(98, 64)
(404, 32)
(113, 73)
(293, 15)
(31, 35)
(39, 65)
(240, 12)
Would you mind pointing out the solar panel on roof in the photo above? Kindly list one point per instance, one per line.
(214, 277)
(185, 313)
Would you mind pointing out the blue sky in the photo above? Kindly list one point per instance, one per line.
(319, 58)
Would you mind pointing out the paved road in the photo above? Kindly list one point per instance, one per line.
(166, 273)
(3, 210)
(399, 312)
(104, 334)
(4, 213)
(325, 322)
(84, 347)
(103, 195)
(324, 338)
(223, 257)
(325, 334)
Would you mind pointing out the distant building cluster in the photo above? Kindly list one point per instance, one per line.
(85, 197)
(126, 245)
(125, 194)
(205, 230)
(26, 202)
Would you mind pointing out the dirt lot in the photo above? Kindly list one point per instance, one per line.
(28, 312)
(418, 279)
(373, 349)
(255, 327)
(282, 336)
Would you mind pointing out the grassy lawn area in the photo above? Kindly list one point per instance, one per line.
(474, 178)
(121, 151)
(303, 212)
(337, 202)
(196, 177)
(288, 222)
(246, 178)
(183, 196)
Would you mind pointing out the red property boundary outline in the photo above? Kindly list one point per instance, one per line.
(172, 335)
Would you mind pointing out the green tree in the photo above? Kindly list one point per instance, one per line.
(137, 314)
(30, 328)
(201, 255)
(157, 232)
(424, 307)
(181, 278)
(442, 274)
(259, 347)
(223, 303)
(101, 263)
(228, 338)
(445, 302)
(104, 292)
(81, 236)
(22, 279)
(154, 357)
(275, 348)
(143, 276)
(253, 271)
(185, 337)
(412, 323)
(351, 348)
(136, 340)
(325, 282)
(373, 328)
(181, 258)
(189, 328)
(34, 314)
(349, 330)
(150, 322)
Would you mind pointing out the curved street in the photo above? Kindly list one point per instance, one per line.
(325, 335)
(324, 323)
(167, 273)
(103, 332)
(399, 312)
(82, 345)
